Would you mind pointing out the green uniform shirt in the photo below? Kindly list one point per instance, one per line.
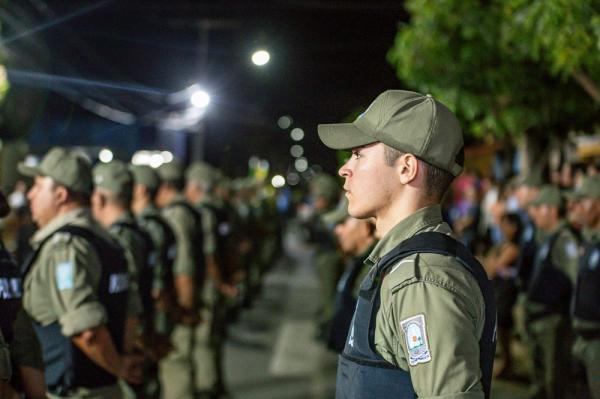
(449, 299)
(565, 256)
(62, 283)
(157, 234)
(183, 225)
(135, 254)
(590, 237)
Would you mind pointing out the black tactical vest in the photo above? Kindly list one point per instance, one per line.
(586, 300)
(362, 372)
(526, 256)
(11, 291)
(344, 305)
(66, 366)
(224, 230)
(549, 285)
(167, 253)
(146, 275)
(197, 240)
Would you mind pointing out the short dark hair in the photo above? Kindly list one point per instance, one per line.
(78, 197)
(437, 180)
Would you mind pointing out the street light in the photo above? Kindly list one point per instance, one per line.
(261, 57)
(200, 99)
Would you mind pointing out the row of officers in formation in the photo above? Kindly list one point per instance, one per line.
(133, 275)
(548, 266)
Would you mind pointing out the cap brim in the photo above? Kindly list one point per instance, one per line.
(29, 171)
(344, 136)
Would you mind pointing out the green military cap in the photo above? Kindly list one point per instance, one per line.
(113, 176)
(407, 121)
(339, 214)
(549, 195)
(589, 188)
(171, 171)
(533, 179)
(65, 167)
(200, 171)
(145, 175)
(325, 186)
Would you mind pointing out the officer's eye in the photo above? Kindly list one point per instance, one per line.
(356, 154)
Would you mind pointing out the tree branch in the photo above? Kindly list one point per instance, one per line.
(587, 84)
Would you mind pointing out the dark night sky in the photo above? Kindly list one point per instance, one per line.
(327, 61)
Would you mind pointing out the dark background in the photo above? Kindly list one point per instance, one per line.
(327, 63)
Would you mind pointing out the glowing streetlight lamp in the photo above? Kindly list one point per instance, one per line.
(200, 99)
(261, 57)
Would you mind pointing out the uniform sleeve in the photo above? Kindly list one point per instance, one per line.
(25, 348)
(183, 228)
(5, 366)
(429, 328)
(209, 222)
(74, 274)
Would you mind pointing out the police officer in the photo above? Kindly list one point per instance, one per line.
(183, 372)
(16, 328)
(74, 276)
(585, 310)
(548, 296)
(110, 202)
(356, 238)
(146, 182)
(216, 232)
(425, 317)
(324, 191)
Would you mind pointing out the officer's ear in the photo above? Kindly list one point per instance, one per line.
(407, 167)
(61, 193)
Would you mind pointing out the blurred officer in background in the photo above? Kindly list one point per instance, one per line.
(146, 182)
(183, 373)
(586, 299)
(75, 284)
(198, 190)
(356, 238)
(111, 201)
(548, 296)
(324, 191)
(15, 327)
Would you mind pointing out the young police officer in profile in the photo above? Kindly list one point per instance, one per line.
(425, 317)
(75, 285)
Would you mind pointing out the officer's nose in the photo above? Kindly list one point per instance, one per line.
(344, 170)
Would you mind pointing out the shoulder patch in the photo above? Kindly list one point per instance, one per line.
(65, 276)
(61, 237)
(417, 343)
(571, 250)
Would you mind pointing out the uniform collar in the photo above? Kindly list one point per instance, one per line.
(58, 222)
(591, 236)
(148, 210)
(126, 217)
(410, 226)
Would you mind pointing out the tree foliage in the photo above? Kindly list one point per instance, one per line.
(506, 67)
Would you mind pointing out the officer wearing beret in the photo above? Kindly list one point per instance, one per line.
(182, 372)
(76, 273)
(586, 296)
(425, 318)
(548, 295)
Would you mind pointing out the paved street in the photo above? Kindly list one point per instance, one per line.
(271, 353)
